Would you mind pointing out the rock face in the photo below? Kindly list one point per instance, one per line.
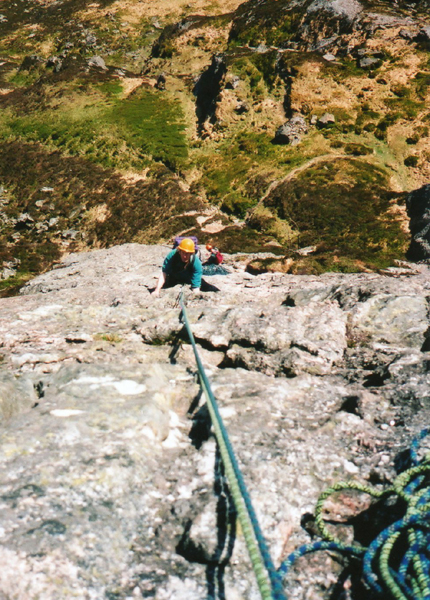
(418, 207)
(110, 479)
(325, 21)
(348, 9)
(207, 88)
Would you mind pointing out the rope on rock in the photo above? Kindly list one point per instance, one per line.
(268, 579)
(397, 563)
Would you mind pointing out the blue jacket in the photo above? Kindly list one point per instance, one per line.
(182, 273)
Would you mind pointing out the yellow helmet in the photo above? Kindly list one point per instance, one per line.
(187, 245)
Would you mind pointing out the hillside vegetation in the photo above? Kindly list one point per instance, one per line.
(139, 120)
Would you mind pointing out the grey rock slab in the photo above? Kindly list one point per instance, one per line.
(401, 320)
(110, 483)
(79, 480)
(343, 8)
(282, 331)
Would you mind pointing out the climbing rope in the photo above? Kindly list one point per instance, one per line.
(397, 563)
(268, 579)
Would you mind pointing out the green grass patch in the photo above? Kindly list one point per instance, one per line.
(389, 119)
(273, 24)
(155, 124)
(422, 84)
(404, 102)
(344, 69)
(107, 130)
(344, 207)
(357, 149)
(226, 173)
(264, 220)
(10, 287)
(23, 78)
(111, 89)
(257, 69)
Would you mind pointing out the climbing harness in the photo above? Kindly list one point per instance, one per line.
(397, 563)
(268, 579)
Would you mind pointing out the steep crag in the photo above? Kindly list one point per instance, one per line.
(110, 479)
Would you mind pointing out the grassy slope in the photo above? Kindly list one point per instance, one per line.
(126, 161)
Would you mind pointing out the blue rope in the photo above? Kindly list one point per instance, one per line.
(274, 577)
(397, 562)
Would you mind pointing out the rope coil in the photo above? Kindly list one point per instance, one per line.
(396, 564)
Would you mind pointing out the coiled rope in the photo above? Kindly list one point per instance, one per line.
(397, 563)
(268, 579)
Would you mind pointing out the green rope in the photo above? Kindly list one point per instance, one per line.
(268, 580)
(254, 554)
(396, 564)
(338, 487)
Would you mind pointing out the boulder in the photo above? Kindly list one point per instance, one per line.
(291, 132)
(97, 62)
(24, 221)
(326, 120)
(7, 273)
(161, 82)
(423, 35)
(346, 9)
(369, 62)
(90, 40)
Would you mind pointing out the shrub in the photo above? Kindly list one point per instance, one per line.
(411, 161)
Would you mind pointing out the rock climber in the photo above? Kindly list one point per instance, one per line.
(181, 265)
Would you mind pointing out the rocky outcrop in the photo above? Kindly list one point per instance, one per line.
(316, 25)
(418, 207)
(324, 22)
(110, 478)
(208, 87)
(291, 132)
